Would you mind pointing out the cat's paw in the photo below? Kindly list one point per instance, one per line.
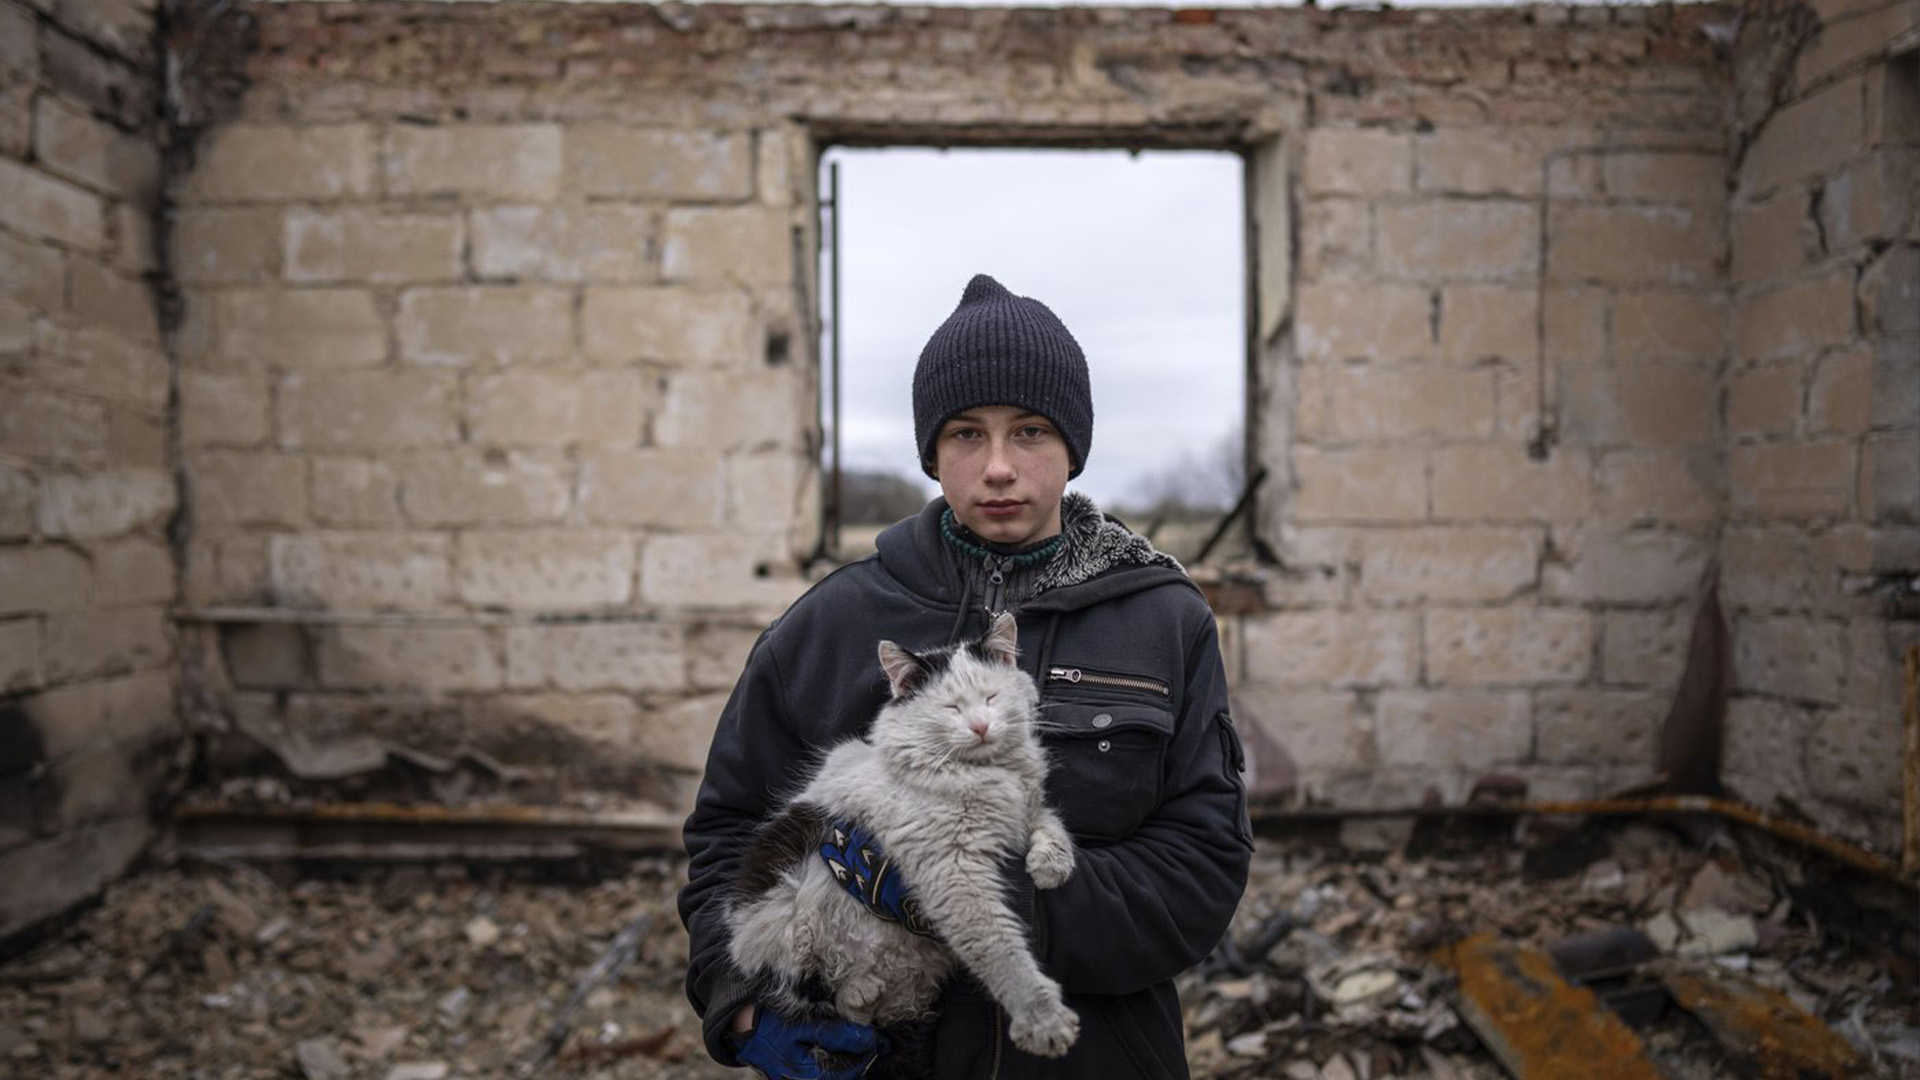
(1049, 859)
(1048, 1029)
(858, 997)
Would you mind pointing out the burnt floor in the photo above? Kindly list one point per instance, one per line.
(1337, 968)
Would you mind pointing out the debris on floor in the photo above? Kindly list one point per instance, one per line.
(1344, 963)
(1762, 1031)
(1537, 1023)
(400, 973)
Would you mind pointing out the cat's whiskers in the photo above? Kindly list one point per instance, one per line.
(1041, 724)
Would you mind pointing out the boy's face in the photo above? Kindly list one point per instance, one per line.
(1003, 471)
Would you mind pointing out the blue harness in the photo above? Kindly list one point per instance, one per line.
(869, 876)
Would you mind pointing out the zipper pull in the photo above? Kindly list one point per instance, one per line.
(1070, 674)
(998, 575)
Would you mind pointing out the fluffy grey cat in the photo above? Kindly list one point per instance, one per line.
(949, 781)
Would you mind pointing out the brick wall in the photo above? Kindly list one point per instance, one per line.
(1822, 406)
(88, 724)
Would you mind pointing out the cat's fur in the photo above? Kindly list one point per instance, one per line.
(949, 781)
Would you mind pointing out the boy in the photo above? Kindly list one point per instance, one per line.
(1145, 761)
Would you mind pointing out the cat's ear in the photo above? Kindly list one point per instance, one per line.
(1002, 643)
(905, 671)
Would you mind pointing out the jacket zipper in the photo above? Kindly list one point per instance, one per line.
(1102, 678)
(996, 580)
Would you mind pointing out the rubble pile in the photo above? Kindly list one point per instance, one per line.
(405, 974)
(1337, 967)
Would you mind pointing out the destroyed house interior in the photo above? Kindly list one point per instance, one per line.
(412, 415)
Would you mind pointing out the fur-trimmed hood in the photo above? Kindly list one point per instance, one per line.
(1093, 544)
(1099, 559)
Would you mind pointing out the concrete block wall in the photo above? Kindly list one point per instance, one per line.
(89, 727)
(496, 372)
(511, 406)
(1505, 467)
(1822, 407)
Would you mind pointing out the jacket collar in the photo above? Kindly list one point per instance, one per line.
(1099, 558)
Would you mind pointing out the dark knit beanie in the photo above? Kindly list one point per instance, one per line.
(1001, 349)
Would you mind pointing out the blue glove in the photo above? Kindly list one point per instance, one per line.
(869, 876)
(782, 1049)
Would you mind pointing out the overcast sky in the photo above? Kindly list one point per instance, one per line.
(1140, 256)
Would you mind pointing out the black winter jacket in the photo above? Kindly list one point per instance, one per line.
(1145, 768)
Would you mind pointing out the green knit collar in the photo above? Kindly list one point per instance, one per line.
(963, 540)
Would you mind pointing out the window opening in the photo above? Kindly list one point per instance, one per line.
(1141, 254)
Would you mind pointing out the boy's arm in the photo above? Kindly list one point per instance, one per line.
(1141, 910)
(753, 752)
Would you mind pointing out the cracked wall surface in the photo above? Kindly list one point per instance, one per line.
(495, 368)
(89, 731)
(1822, 406)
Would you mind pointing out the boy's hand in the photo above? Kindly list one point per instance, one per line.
(782, 1049)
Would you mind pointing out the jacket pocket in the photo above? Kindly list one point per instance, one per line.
(1233, 765)
(1105, 764)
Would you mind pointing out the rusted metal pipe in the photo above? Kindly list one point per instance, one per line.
(1841, 851)
(388, 832)
(662, 829)
(1763, 1032)
(432, 814)
(1539, 1025)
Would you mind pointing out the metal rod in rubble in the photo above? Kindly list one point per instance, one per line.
(620, 952)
